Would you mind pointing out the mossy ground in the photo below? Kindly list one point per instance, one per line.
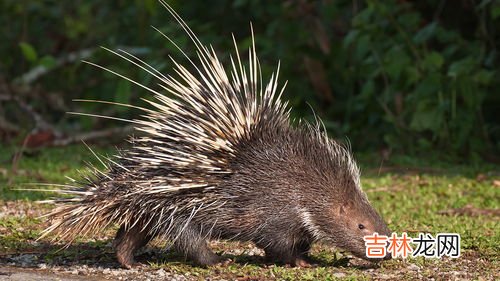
(412, 195)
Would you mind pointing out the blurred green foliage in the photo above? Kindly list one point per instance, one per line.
(410, 76)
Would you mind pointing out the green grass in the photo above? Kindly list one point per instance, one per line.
(49, 165)
(412, 197)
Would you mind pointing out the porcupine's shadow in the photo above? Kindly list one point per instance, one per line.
(155, 254)
(159, 256)
(244, 259)
(34, 254)
(92, 254)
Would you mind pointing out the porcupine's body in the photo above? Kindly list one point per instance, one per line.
(221, 161)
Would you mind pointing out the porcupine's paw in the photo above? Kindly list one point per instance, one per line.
(301, 255)
(208, 258)
(224, 262)
(195, 248)
(303, 261)
(292, 259)
(126, 260)
(125, 257)
(126, 243)
(297, 261)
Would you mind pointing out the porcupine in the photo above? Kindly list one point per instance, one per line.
(220, 159)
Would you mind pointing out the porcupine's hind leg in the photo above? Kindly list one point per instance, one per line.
(127, 242)
(193, 244)
(293, 253)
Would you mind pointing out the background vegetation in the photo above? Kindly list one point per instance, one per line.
(393, 76)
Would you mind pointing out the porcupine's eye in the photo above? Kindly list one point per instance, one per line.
(360, 226)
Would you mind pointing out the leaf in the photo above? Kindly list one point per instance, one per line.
(368, 89)
(447, 36)
(362, 46)
(462, 67)
(47, 61)
(428, 86)
(495, 12)
(412, 75)
(364, 16)
(434, 60)
(427, 117)
(396, 61)
(484, 77)
(28, 51)
(425, 33)
(351, 37)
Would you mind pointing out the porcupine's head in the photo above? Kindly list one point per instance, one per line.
(336, 209)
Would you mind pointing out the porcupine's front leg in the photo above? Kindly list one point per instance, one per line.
(302, 258)
(127, 242)
(194, 246)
